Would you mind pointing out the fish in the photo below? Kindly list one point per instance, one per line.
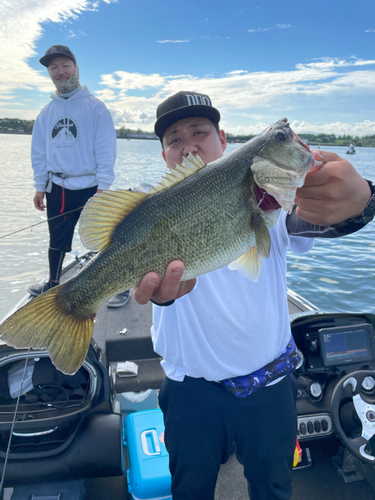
(207, 216)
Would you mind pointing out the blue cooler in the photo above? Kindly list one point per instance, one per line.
(148, 475)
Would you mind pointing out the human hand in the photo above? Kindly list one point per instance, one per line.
(333, 193)
(38, 201)
(170, 288)
(99, 191)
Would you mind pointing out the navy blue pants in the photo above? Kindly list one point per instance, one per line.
(203, 420)
(61, 229)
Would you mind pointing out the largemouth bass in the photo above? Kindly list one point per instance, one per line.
(205, 215)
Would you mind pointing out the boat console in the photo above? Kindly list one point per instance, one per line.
(335, 341)
(336, 379)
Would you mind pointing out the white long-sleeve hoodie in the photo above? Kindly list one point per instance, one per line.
(74, 137)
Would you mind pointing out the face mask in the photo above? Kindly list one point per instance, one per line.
(64, 87)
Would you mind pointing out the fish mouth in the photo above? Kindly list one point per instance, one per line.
(277, 179)
(283, 195)
(317, 157)
(265, 201)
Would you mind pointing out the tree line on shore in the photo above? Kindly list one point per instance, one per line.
(367, 141)
(17, 126)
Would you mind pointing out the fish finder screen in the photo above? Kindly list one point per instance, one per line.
(345, 345)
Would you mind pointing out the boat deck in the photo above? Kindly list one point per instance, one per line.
(124, 335)
(319, 481)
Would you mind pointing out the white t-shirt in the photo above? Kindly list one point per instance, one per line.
(229, 326)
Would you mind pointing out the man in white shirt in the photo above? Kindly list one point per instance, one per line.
(226, 343)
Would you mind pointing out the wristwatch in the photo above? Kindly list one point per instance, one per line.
(369, 212)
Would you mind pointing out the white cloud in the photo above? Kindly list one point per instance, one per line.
(70, 34)
(237, 72)
(26, 114)
(27, 17)
(278, 26)
(123, 117)
(325, 63)
(360, 129)
(258, 30)
(240, 93)
(366, 127)
(247, 100)
(123, 80)
(173, 41)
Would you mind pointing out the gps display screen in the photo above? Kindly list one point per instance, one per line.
(344, 345)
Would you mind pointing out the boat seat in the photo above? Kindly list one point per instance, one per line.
(150, 376)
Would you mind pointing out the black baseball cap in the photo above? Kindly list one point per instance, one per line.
(184, 104)
(57, 51)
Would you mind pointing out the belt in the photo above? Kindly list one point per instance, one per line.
(283, 365)
(48, 188)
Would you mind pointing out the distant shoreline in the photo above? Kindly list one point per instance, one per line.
(15, 133)
(152, 137)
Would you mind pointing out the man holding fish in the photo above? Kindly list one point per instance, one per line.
(226, 343)
(226, 346)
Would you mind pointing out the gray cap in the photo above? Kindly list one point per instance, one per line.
(57, 51)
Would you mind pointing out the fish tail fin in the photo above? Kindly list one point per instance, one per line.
(44, 323)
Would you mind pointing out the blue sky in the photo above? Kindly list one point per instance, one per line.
(311, 61)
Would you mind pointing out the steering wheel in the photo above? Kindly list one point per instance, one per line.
(365, 411)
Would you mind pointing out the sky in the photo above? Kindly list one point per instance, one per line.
(259, 60)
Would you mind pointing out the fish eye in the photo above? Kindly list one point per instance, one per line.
(281, 135)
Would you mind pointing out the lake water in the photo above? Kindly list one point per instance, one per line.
(336, 275)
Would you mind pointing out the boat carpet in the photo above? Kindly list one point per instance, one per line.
(320, 481)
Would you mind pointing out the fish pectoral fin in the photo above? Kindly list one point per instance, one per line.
(262, 235)
(189, 166)
(249, 264)
(103, 213)
(43, 324)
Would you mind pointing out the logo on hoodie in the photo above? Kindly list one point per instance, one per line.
(64, 133)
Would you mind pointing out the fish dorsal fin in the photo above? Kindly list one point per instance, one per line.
(188, 167)
(103, 213)
(249, 264)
